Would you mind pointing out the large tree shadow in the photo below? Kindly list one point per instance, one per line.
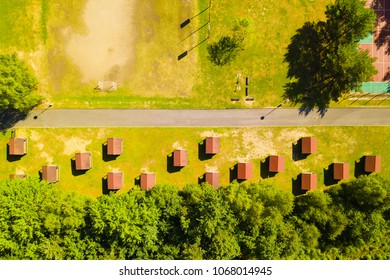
(382, 33)
(308, 107)
(9, 117)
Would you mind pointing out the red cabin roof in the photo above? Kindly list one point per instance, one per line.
(309, 181)
(51, 173)
(372, 163)
(114, 180)
(244, 170)
(18, 176)
(18, 146)
(83, 161)
(276, 163)
(180, 158)
(148, 180)
(114, 146)
(212, 145)
(212, 178)
(340, 171)
(309, 145)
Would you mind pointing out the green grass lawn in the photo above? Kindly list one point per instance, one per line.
(41, 30)
(143, 153)
(22, 24)
(155, 77)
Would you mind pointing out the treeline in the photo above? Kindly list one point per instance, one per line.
(240, 221)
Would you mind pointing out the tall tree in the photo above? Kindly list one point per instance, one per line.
(226, 49)
(208, 224)
(324, 61)
(17, 85)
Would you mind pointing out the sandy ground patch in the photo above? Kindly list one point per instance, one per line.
(178, 145)
(108, 47)
(211, 168)
(35, 136)
(45, 155)
(75, 144)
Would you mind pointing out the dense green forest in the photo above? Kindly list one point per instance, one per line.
(240, 221)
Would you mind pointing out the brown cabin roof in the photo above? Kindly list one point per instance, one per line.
(340, 171)
(114, 180)
(372, 163)
(17, 176)
(212, 178)
(114, 146)
(51, 173)
(276, 163)
(212, 145)
(180, 158)
(83, 161)
(244, 170)
(308, 181)
(18, 146)
(309, 145)
(148, 180)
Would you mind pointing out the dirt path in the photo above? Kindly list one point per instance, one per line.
(104, 52)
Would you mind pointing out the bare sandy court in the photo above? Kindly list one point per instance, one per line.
(108, 47)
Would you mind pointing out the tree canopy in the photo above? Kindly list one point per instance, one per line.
(240, 221)
(226, 49)
(324, 61)
(17, 85)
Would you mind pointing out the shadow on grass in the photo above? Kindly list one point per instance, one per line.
(105, 189)
(137, 181)
(328, 176)
(202, 179)
(185, 23)
(107, 157)
(296, 185)
(182, 55)
(202, 151)
(170, 167)
(359, 168)
(264, 169)
(233, 174)
(12, 158)
(76, 172)
(297, 151)
(8, 118)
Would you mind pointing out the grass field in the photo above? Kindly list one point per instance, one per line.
(143, 153)
(71, 45)
(22, 24)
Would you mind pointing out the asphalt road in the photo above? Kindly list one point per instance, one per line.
(198, 118)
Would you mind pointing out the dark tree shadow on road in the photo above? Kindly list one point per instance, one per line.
(8, 118)
(307, 110)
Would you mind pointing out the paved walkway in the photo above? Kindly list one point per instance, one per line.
(196, 118)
